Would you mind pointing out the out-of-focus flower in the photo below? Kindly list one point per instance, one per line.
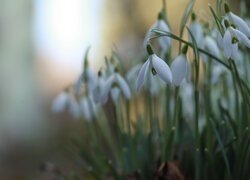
(89, 78)
(66, 101)
(236, 21)
(60, 102)
(114, 84)
(157, 65)
(74, 107)
(88, 107)
(98, 91)
(197, 30)
(160, 24)
(211, 46)
(179, 67)
(217, 71)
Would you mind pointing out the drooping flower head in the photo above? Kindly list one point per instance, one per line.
(179, 67)
(231, 39)
(196, 29)
(160, 24)
(236, 21)
(157, 67)
(87, 77)
(113, 85)
(66, 101)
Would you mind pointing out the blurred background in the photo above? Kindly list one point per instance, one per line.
(42, 43)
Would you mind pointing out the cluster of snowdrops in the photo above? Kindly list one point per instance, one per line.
(184, 100)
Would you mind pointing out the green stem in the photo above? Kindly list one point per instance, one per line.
(163, 33)
(207, 91)
(236, 96)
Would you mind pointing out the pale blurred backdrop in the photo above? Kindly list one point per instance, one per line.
(42, 43)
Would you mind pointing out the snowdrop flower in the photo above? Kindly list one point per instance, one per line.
(211, 46)
(217, 71)
(179, 67)
(65, 100)
(99, 89)
(215, 34)
(60, 102)
(74, 107)
(231, 39)
(237, 21)
(89, 78)
(157, 66)
(196, 29)
(152, 84)
(114, 84)
(88, 107)
(164, 41)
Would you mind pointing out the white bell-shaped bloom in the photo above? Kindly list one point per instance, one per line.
(164, 41)
(113, 82)
(211, 46)
(60, 102)
(215, 34)
(66, 101)
(115, 92)
(99, 89)
(155, 64)
(74, 107)
(230, 46)
(197, 30)
(217, 71)
(88, 107)
(231, 39)
(179, 69)
(237, 21)
(152, 83)
(89, 78)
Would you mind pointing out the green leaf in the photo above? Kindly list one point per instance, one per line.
(217, 21)
(164, 33)
(185, 16)
(222, 147)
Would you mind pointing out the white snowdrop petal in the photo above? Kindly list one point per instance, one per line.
(242, 37)
(142, 75)
(240, 24)
(212, 46)
(123, 86)
(165, 42)
(227, 44)
(235, 51)
(162, 69)
(162, 25)
(133, 72)
(149, 35)
(86, 110)
(77, 85)
(197, 31)
(74, 108)
(92, 79)
(179, 69)
(59, 103)
(115, 92)
(106, 88)
(154, 85)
